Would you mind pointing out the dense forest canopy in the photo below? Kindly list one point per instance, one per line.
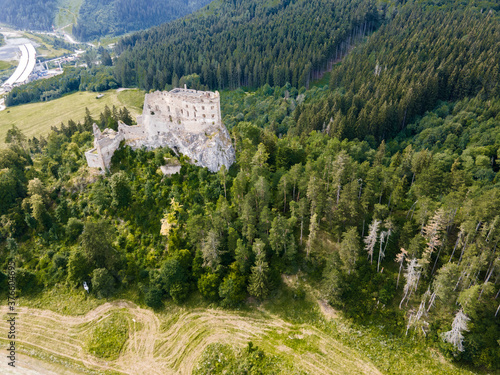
(97, 18)
(246, 43)
(28, 14)
(423, 52)
(426, 53)
(115, 17)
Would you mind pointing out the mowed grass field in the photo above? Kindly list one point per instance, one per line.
(172, 341)
(36, 119)
(66, 331)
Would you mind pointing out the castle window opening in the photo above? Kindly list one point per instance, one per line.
(213, 116)
(212, 107)
(182, 111)
(203, 107)
(168, 108)
(187, 113)
(204, 115)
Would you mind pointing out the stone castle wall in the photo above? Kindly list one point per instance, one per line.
(188, 121)
(134, 135)
(193, 110)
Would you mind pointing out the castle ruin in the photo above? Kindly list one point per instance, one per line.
(187, 121)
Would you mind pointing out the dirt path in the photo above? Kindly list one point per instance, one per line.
(172, 344)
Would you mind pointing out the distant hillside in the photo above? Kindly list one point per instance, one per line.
(28, 14)
(97, 17)
(424, 53)
(247, 43)
(115, 17)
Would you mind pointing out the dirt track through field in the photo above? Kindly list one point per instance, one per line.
(173, 345)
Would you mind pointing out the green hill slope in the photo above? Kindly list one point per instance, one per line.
(95, 18)
(114, 17)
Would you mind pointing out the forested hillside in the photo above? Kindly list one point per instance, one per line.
(424, 52)
(28, 14)
(114, 17)
(428, 52)
(97, 78)
(402, 235)
(246, 43)
(97, 18)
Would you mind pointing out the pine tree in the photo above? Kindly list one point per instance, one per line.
(412, 276)
(349, 249)
(210, 251)
(432, 233)
(259, 284)
(313, 232)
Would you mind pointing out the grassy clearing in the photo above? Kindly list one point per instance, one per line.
(62, 300)
(107, 40)
(7, 64)
(290, 331)
(133, 98)
(323, 81)
(32, 357)
(391, 354)
(45, 48)
(68, 12)
(36, 119)
(68, 29)
(109, 335)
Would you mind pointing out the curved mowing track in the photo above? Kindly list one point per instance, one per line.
(174, 345)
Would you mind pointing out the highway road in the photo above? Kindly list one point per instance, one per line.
(26, 65)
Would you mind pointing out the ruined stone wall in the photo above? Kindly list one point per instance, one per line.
(94, 160)
(108, 146)
(135, 136)
(187, 121)
(193, 110)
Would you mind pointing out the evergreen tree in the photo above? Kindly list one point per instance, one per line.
(258, 286)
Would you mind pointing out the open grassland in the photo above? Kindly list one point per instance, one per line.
(36, 119)
(172, 343)
(299, 333)
(7, 64)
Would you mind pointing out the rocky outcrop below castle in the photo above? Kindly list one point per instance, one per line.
(211, 148)
(187, 121)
